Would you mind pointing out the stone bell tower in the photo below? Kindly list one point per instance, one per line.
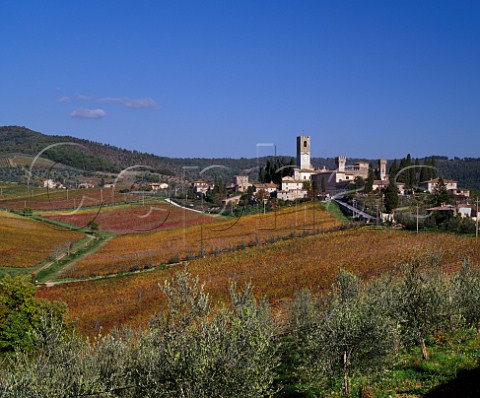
(382, 166)
(303, 152)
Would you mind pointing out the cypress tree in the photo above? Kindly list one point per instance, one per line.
(440, 194)
(426, 171)
(391, 196)
(400, 173)
(393, 169)
(370, 179)
(414, 173)
(434, 169)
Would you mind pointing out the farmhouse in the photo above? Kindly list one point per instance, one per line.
(200, 186)
(269, 188)
(467, 211)
(460, 193)
(292, 194)
(290, 184)
(241, 183)
(156, 186)
(86, 185)
(432, 184)
(50, 184)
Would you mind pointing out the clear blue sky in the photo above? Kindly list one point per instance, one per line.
(214, 78)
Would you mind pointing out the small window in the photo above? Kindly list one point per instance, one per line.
(304, 144)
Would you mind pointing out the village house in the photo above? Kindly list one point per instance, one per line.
(290, 184)
(156, 186)
(242, 184)
(383, 184)
(444, 208)
(460, 193)
(432, 184)
(50, 184)
(85, 185)
(467, 211)
(234, 200)
(292, 194)
(269, 188)
(200, 186)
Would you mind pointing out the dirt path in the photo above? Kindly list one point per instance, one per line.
(61, 256)
(50, 281)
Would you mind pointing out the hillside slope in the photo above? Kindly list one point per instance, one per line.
(78, 153)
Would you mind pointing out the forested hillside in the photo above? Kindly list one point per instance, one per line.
(83, 154)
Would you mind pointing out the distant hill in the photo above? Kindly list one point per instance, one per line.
(93, 156)
(83, 154)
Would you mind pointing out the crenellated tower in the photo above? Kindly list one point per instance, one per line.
(341, 163)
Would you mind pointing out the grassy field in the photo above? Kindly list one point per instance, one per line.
(135, 251)
(277, 271)
(154, 215)
(25, 243)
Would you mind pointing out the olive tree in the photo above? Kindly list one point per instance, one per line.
(342, 333)
(466, 294)
(196, 350)
(419, 303)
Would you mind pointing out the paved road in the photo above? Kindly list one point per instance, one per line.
(358, 213)
(182, 207)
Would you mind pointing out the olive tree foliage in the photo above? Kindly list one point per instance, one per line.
(190, 350)
(466, 294)
(194, 350)
(419, 302)
(341, 333)
(57, 368)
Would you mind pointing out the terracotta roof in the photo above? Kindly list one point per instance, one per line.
(442, 208)
(466, 207)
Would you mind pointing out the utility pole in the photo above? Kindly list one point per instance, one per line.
(417, 217)
(476, 230)
(201, 239)
(381, 202)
